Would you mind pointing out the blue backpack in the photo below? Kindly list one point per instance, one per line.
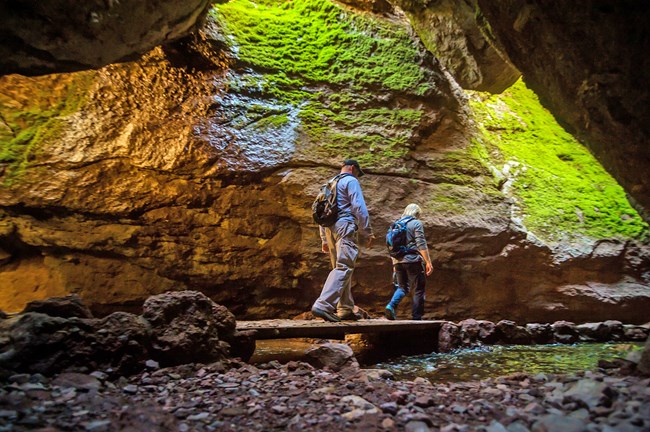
(397, 238)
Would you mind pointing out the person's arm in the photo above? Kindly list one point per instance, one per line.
(421, 244)
(359, 209)
(324, 246)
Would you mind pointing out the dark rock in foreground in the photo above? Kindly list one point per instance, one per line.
(295, 396)
(176, 328)
(188, 327)
(64, 307)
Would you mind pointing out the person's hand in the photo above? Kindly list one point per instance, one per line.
(325, 248)
(429, 269)
(370, 239)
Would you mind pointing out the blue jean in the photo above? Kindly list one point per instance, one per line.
(410, 275)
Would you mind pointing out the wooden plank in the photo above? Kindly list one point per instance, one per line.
(286, 329)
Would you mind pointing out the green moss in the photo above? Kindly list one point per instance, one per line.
(448, 200)
(273, 121)
(319, 41)
(39, 121)
(561, 189)
(329, 64)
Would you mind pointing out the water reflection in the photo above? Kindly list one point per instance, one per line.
(493, 361)
(282, 350)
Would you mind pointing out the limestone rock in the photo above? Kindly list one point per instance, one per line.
(594, 331)
(77, 381)
(540, 333)
(242, 344)
(477, 331)
(636, 333)
(589, 392)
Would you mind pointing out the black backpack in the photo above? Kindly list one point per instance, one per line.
(325, 211)
(397, 238)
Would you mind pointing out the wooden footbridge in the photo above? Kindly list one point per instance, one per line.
(287, 329)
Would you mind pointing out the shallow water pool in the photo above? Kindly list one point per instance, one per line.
(497, 360)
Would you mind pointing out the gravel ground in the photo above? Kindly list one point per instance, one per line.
(295, 396)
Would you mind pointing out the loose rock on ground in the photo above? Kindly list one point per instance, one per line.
(237, 396)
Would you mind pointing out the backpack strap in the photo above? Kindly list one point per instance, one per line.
(334, 188)
(405, 220)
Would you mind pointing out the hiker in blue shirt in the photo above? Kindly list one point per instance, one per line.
(411, 269)
(340, 241)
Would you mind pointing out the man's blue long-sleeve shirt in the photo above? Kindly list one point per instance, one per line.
(351, 205)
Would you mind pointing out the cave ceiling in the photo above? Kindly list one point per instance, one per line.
(43, 37)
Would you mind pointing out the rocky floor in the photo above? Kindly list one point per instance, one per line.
(295, 396)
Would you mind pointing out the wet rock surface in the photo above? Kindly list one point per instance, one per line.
(296, 396)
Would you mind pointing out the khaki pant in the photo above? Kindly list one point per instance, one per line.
(336, 295)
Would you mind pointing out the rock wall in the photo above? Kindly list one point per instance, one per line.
(586, 61)
(195, 167)
(449, 29)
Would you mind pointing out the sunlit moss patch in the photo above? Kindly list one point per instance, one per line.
(331, 64)
(562, 190)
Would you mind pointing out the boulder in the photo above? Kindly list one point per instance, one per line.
(636, 333)
(242, 344)
(594, 332)
(509, 332)
(540, 333)
(448, 337)
(77, 381)
(64, 307)
(616, 330)
(188, 327)
(590, 393)
(334, 356)
(565, 332)
(477, 331)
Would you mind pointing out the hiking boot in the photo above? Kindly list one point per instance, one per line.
(389, 313)
(350, 316)
(320, 313)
